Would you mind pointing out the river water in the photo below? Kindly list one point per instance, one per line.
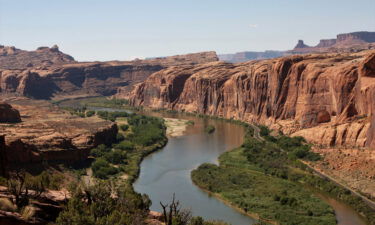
(167, 172)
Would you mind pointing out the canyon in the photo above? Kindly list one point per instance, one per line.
(328, 98)
(325, 96)
(63, 77)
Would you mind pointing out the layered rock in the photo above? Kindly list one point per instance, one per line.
(48, 134)
(8, 114)
(349, 42)
(327, 98)
(13, 58)
(88, 79)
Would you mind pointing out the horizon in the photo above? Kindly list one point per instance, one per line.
(124, 30)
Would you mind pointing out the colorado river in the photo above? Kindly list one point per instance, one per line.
(167, 171)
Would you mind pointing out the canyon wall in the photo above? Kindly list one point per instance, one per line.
(327, 98)
(60, 80)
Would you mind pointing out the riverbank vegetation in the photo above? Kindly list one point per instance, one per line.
(265, 177)
(111, 199)
(209, 129)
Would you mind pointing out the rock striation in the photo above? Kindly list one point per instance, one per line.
(8, 114)
(327, 98)
(88, 79)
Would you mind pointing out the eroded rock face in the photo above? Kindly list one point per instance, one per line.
(8, 114)
(49, 134)
(88, 79)
(13, 58)
(321, 97)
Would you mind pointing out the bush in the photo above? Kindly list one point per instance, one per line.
(209, 129)
(102, 169)
(99, 151)
(115, 157)
(124, 127)
(125, 146)
(119, 137)
(90, 113)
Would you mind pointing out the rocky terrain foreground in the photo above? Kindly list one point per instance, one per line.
(48, 134)
(326, 98)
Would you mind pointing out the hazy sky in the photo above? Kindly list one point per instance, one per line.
(124, 29)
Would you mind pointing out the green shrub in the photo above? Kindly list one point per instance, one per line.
(124, 127)
(120, 137)
(90, 113)
(102, 169)
(209, 129)
(125, 146)
(115, 157)
(99, 151)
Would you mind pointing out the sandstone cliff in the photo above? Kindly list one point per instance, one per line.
(13, 58)
(48, 134)
(88, 79)
(327, 98)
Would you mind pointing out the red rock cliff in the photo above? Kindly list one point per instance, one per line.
(327, 98)
(87, 79)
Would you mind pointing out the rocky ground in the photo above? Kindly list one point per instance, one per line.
(352, 167)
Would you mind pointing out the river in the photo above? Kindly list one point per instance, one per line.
(167, 172)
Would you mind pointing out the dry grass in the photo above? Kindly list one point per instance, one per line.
(7, 205)
(28, 212)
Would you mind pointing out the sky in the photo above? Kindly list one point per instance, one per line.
(91, 30)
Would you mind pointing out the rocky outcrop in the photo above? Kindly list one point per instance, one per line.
(48, 134)
(13, 58)
(326, 43)
(349, 42)
(322, 97)
(8, 114)
(301, 44)
(88, 79)
(362, 36)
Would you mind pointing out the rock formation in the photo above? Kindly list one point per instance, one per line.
(350, 42)
(48, 134)
(301, 44)
(87, 79)
(13, 58)
(327, 98)
(8, 114)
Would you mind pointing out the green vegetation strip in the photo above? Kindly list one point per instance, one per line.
(266, 178)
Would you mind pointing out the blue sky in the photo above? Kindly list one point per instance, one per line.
(123, 29)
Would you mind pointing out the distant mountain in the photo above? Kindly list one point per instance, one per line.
(349, 42)
(246, 56)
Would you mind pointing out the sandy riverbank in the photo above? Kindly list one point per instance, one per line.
(175, 127)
